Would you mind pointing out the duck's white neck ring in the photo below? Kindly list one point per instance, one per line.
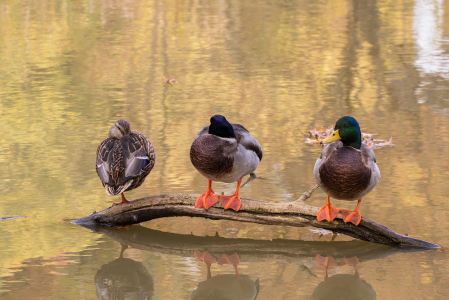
(226, 139)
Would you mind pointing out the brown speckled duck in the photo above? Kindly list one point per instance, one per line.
(346, 170)
(224, 152)
(124, 159)
(124, 279)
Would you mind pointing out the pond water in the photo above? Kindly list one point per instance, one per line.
(70, 69)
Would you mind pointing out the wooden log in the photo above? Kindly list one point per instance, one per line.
(297, 213)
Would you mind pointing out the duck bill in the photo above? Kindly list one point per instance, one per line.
(335, 136)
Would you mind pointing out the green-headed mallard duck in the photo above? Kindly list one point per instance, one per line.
(224, 152)
(344, 287)
(346, 170)
(124, 159)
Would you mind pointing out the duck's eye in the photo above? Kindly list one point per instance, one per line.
(347, 125)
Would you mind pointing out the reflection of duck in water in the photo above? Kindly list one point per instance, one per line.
(233, 260)
(225, 286)
(124, 278)
(342, 286)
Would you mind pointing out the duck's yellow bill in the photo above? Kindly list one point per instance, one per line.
(335, 136)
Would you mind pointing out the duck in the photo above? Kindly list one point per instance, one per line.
(124, 278)
(346, 170)
(224, 286)
(124, 159)
(342, 286)
(224, 152)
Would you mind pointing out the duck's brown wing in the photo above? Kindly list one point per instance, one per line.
(139, 155)
(247, 140)
(119, 161)
(105, 158)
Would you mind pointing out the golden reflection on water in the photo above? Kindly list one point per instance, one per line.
(69, 70)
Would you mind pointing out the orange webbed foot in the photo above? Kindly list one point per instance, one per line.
(232, 202)
(206, 258)
(125, 226)
(351, 216)
(206, 200)
(327, 212)
(326, 262)
(230, 260)
(124, 200)
(233, 260)
(353, 261)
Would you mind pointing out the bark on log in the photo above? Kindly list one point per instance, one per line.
(297, 213)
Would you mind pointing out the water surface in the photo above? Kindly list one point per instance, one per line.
(71, 69)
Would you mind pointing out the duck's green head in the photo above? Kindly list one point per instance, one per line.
(347, 130)
(219, 126)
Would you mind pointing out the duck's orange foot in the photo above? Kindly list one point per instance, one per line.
(121, 202)
(233, 260)
(327, 212)
(351, 216)
(206, 200)
(230, 260)
(327, 261)
(124, 200)
(204, 257)
(125, 226)
(353, 261)
(232, 202)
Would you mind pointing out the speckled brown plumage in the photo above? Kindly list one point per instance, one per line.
(116, 155)
(345, 174)
(206, 155)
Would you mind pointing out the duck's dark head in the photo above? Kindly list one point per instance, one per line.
(219, 126)
(347, 130)
(119, 129)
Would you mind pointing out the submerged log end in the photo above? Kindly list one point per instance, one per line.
(297, 214)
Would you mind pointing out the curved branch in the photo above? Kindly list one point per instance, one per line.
(297, 214)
